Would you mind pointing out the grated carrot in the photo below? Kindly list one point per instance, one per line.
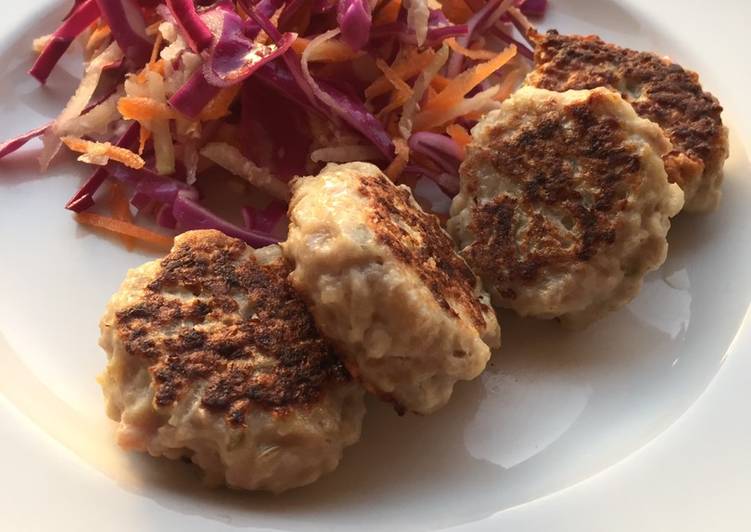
(397, 100)
(460, 86)
(477, 55)
(124, 228)
(219, 106)
(144, 134)
(144, 109)
(241, 11)
(120, 207)
(523, 21)
(275, 17)
(100, 152)
(157, 66)
(388, 14)
(155, 50)
(97, 37)
(399, 84)
(474, 115)
(421, 86)
(469, 108)
(459, 135)
(456, 10)
(408, 67)
(332, 51)
(300, 44)
(510, 82)
(439, 82)
(153, 29)
(397, 166)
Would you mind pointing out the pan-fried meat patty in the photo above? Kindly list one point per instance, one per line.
(387, 285)
(214, 357)
(564, 203)
(659, 90)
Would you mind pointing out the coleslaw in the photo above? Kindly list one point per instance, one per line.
(176, 94)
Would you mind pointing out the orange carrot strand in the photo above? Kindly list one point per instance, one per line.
(120, 207)
(123, 228)
(459, 135)
(460, 86)
(388, 14)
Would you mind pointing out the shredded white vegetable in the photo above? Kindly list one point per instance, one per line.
(77, 102)
(164, 149)
(412, 105)
(96, 122)
(305, 59)
(418, 14)
(230, 158)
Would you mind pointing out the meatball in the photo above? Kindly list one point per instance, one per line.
(564, 203)
(387, 286)
(214, 357)
(659, 90)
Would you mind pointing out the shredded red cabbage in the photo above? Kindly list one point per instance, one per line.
(140, 201)
(449, 182)
(267, 117)
(454, 66)
(278, 76)
(290, 11)
(322, 6)
(288, 108)
(354, 19)
(83, 15)
(126, 21)
(533, 8)
(9, 146)
(290, 58)
(521, 48)
(148, 183)
(439, 148)
(190, 215)
(439, 29)
(194, 95)
(165, 218)
(234, 57)
(354, 113)
(84, 196)
(195, 31)
(263, 8)
(271, 220)
(431, 197)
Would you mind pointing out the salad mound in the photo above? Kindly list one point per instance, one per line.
(181, 98)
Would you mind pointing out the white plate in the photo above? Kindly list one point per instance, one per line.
(638, 423)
